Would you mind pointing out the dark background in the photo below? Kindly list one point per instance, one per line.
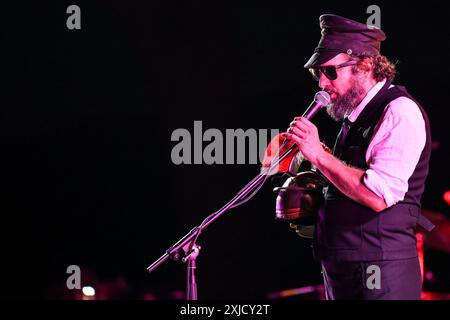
(87, 178)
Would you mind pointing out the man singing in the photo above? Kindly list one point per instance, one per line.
(365, 232)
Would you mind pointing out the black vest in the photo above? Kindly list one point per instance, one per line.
(348, 231)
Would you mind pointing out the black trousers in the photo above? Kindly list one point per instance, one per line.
(374, 280)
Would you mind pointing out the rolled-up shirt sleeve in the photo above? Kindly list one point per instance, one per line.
(394, 150)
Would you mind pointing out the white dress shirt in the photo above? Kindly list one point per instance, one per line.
(395, 148)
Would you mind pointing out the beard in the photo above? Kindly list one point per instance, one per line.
(346, 103)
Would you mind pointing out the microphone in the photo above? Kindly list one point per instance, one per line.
(284, 145)
(321, 99)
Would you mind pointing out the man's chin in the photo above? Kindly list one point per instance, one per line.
(337, 112)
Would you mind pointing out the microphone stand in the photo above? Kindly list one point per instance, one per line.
(188, 242)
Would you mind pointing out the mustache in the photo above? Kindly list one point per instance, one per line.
(329, 91)
(333, 98)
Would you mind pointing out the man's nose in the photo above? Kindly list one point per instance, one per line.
(323, 81)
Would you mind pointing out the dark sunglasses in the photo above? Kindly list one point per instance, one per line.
(330, 71)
